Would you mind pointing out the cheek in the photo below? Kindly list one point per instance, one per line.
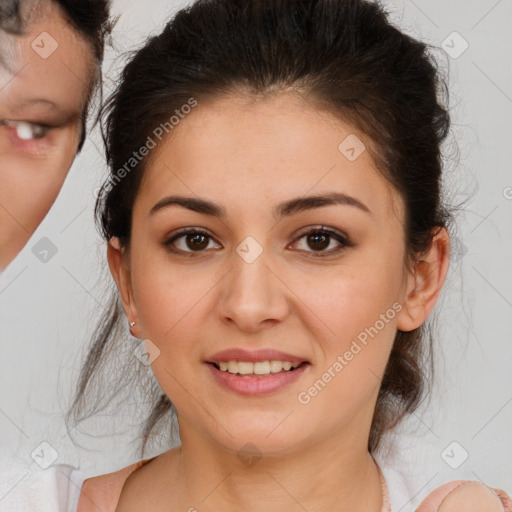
(30, 187)
(167, 297)
(354, 325)
(350, 298)
(28, 191)
(171, 310)
(354, 339)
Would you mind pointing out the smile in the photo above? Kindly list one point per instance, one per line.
(256, 368)
(258, 378)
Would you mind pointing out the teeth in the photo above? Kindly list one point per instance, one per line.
(261, 368)
(258, 368)
(244, 368)
(276, 366)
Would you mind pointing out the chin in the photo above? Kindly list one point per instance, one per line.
(268, 435)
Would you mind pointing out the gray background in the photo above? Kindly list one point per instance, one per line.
(48, 309)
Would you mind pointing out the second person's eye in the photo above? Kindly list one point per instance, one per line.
(27, 131)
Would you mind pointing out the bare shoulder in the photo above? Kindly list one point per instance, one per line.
(472, 497)
(142, 488)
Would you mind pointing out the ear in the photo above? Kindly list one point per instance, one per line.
(118, 262)
(424, 282)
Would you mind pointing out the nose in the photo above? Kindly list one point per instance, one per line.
(254, 296)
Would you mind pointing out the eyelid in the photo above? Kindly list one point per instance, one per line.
(322, 228)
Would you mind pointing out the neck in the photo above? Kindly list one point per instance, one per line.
(330, 475)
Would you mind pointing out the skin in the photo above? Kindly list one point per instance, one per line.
(247, 155)
(32, 171)
(471, 497)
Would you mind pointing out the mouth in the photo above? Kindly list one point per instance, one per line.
(257, 369)
(256, 378)
(255, 372)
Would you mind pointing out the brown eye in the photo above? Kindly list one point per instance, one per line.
(188, 241)
(196, 241)
(318, 240)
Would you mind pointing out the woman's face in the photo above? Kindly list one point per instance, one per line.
(255, 281)
(45, 80)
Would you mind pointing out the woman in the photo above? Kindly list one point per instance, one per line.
(276, 231)
(50, 58)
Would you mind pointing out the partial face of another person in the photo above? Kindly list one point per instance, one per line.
(46, 75)
(261, 267)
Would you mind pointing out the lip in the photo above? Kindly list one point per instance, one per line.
(254, 356)
(256, 385)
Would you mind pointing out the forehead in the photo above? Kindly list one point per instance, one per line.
(50, 60)
(272, 148)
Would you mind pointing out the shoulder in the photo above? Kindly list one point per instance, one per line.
(406, 476)
(467, 495)
(103, 492)
(48, 490)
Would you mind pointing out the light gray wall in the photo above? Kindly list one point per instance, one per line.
(47, 310)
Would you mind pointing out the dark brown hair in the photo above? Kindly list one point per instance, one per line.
(343, 56)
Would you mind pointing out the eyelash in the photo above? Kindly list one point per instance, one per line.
(343, 240)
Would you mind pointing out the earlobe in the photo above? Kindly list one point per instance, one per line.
(120, 272)
(424, 282)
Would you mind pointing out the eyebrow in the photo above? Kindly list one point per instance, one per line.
(281, 210)
(43, 102)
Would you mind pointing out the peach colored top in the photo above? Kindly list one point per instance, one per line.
(103, 492)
